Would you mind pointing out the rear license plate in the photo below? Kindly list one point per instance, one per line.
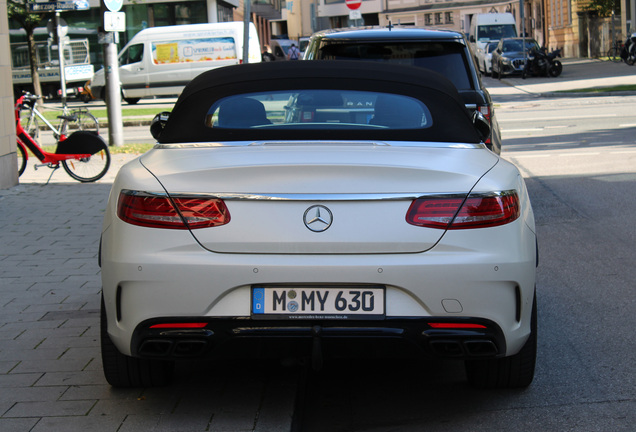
(338, 303)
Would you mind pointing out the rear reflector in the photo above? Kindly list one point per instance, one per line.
(180, 325)
(155, 211)
(456, 326)
(476, 211)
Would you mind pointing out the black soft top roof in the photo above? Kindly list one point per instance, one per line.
(451, 120)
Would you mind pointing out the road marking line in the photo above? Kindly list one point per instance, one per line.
(525, 156)
(521, 130)
(499, 119)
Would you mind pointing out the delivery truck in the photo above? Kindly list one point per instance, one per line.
(160, 61)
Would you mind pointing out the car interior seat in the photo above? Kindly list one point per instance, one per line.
(397, 112)
(242, 113)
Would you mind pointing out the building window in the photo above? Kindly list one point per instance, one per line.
(449, 17)
(428, 19)
(438, 18)
(142, 15)
(224, 12)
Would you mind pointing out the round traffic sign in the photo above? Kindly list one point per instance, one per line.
(114, 5)
(353, 4)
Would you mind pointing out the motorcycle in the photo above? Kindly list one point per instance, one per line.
(542, 63)
(628, 52)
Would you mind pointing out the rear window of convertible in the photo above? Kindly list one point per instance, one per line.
(319, 109)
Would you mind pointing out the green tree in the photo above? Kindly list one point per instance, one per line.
(17, 11)
(604, 8)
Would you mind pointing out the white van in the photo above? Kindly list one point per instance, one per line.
(490, 27)
(160, 61)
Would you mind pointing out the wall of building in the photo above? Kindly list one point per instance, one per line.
(300, 17)
(564, 27)
(8, 165)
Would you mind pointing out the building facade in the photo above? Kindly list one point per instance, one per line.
(563, 24)
(8, 165)
(443, 14)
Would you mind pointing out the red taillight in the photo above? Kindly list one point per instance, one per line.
(156, 211)
(456, 213)
(485, 110)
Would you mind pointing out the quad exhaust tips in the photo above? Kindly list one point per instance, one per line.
(464, 348)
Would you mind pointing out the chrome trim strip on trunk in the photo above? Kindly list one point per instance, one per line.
(319, 197)
(317, 143)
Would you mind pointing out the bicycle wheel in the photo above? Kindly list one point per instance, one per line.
(22, 159)
(29, 122)
(84, 121)
(88, 169)
(614, 54)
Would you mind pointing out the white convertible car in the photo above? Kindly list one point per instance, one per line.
(319, 209)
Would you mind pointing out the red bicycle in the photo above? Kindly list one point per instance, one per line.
(83, 154)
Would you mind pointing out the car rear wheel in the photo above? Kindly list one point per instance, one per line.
(123, 371)
(516, 371)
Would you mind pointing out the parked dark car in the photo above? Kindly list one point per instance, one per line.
(446, 52)
(510, 56)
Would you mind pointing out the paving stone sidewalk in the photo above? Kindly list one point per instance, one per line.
(50, 366)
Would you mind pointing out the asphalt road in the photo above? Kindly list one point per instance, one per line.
(578, 158)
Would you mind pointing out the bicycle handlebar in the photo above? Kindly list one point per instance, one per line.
(28, 99)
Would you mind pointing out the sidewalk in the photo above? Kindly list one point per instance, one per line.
(578, 74)
(44, 174)
(51, 375)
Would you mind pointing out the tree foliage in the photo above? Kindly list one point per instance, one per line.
(18, 12)
(603, 8)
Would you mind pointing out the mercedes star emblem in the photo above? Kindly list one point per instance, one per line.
(318, 218)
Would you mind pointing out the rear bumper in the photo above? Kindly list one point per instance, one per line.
(471, 338)
(494, 283)
(151, 275)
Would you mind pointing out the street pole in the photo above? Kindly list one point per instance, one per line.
(113, 86)
(246, 30)
(113, 94)
(60, 52)
(523, 31)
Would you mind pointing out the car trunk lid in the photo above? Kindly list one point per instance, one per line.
(275, 190)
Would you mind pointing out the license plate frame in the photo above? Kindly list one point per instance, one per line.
(345, 302)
